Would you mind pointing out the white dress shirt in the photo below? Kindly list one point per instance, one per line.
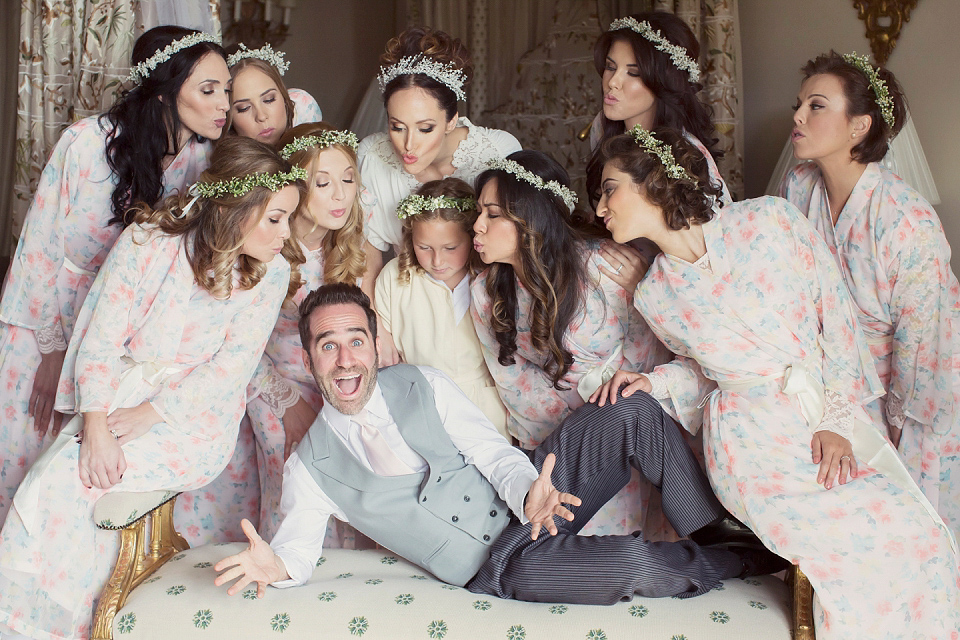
(306, 508)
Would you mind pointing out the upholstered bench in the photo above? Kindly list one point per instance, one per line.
(374, 594)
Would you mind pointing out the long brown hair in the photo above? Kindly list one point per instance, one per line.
(343, 257)
(551, 252)
(451, 188)
(274, 76)
(214, 225)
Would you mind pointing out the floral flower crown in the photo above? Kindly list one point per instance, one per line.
(265, 53)
(321, 140)
(511, 166)
(140, 71)
(444, 73)
(879, 86)
(681, 59)
(662, 150)
(242, 185)
(414, 204)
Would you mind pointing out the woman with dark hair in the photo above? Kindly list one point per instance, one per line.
(895, 259)
(423, 79)
(650, 74)
(151, 143)
(551, 325)
(752, 302)
(261, 107)
(156, 371)
(283, 397)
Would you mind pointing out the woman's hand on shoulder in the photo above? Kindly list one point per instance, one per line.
(629, 266)
(389, 355)
(296, 421)
(630, 381)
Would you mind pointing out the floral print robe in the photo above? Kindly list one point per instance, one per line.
(609, 331)
(881, 562)
(894, 257)
(64, 240)
(144, 307)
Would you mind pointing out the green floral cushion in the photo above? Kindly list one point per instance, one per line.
(119, 509)
(373, 594)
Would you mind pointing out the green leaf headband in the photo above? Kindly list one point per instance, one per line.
(681, 59)
(662, 150)
(321, 140)
(140, 71)
(414, 204)
(879, 86)
(242, 185)
(511, 166)
(265, 53)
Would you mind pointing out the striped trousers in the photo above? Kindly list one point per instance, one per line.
(595, 449)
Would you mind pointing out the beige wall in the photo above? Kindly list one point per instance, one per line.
(333, 49)
(778, 36)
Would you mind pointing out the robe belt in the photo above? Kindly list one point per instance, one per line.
(27, 499)
(879, 340)
(870, 446)
(72, 266)
(599, 375)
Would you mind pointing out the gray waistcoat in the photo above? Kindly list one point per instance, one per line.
(444, 519)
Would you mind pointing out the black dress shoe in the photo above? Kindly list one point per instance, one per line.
(758, 561)
(724, 533)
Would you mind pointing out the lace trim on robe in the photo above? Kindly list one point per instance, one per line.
(278, 395)
(837, 414)
(50, 338)
(894, 409)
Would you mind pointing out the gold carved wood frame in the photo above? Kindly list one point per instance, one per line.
(884, 19)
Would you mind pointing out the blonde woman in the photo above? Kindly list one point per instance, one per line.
(423, 295)
(166, 341)
(283, 397)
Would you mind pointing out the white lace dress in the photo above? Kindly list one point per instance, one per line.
(387, 182)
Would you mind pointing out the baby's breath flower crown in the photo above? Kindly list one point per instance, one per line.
(242, 185)
(265, 53)
(141, 71)
(414, 204)
(511, 166)
(681, 59)
(446, 74)
(879, 86)
(662, 150)
(321, 140)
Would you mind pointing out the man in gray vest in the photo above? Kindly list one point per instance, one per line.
(403, 456)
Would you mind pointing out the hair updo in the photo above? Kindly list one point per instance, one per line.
(862, 101)
(436, 45)
(683, 201)
(144, 120)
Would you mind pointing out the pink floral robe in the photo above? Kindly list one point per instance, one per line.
(144, 310)
(895, 260)
(535, 408)
(65, 239)
(882, 563)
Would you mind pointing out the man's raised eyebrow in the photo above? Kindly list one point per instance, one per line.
(324, 334)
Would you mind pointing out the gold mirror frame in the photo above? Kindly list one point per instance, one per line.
(883, 38)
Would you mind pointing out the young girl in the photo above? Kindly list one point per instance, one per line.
(423, 79)
(164, 346)
(283, 397)
(551, 325)
(150, 144)
(895, 260)
(751, 300)
(423, 295)
(260, 105)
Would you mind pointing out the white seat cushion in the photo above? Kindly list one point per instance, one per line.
(373, 594)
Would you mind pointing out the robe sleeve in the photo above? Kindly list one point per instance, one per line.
(849, 375)
(198, 402)
(306, 108)
(268, 385)
(681, 388)
(923, 309)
